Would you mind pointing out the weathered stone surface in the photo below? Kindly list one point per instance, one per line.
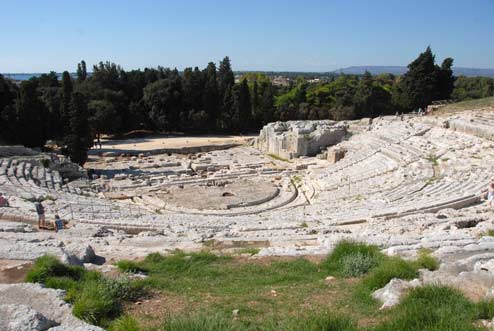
(15, 317)
(299, 138)
(391, 294)
(48, 302)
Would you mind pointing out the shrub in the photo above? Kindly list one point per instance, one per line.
(357, 264)
(350, 258)
(49, 266)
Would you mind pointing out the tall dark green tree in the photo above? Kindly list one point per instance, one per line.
(78, 140)
(267, 103)
(65, 99)
(243, 106)
(31, 114)
(8, 118)
(164, 99)
(425, 82)
(81, 71)
(371, 99)
(211, 96)
(256, 105)
(226, 79)
(446, 79)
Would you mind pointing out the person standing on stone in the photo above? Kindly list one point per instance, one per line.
(490, 193)
(40, 210)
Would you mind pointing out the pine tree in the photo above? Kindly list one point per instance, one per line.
(420, 84)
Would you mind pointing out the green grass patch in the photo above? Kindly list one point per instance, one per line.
(433, 159)
(322, 321)
(426, 261)
(95, 299)
(129, 266)
(467, 105)
(124, 323)
(432, 308)
(277, 157)
(488, 233)
(248, 250)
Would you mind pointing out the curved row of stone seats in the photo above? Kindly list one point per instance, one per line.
(16, 150)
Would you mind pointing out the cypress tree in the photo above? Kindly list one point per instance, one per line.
(78, 140)
(244, 106)
(211, 95)
(81, 71)
(66, 97)
(31, 114)
(226, 78)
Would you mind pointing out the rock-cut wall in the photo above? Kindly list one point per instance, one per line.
(299, 138)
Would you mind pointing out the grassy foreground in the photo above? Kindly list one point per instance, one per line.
(206, 292)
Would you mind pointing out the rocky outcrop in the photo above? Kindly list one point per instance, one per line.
(391, 294)
(299, 138)
(15, 317)
(41, 308)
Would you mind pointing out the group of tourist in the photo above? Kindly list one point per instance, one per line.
(57, 224)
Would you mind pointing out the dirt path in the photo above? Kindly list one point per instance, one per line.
(13, 271)
(160, 142)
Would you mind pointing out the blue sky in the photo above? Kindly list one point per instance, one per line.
(303, 35)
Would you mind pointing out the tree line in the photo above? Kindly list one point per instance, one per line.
(74, 111)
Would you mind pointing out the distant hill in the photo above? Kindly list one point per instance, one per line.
(399, 70)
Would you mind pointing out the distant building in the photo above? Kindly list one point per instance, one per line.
(280, 81)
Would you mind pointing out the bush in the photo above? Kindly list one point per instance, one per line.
(432, 308)
(124, 323)
(355, 265)
(352, 259)
(49, 266)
